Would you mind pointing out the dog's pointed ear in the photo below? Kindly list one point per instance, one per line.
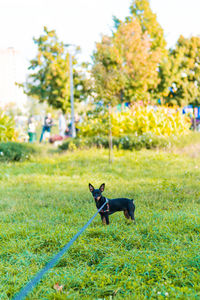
(102, 187)
(91, 188)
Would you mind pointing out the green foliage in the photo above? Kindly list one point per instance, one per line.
(46, 201)
(12, 151)
(84, 143)
(7, 128)
(50, 77)
(180, 71)
(127, 142)
(160, 121)
(146, 140)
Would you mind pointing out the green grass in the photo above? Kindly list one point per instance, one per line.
(44, 202)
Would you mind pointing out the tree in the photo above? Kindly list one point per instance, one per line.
(180, 73)
(49, 78)
(141, 10)
(108, 78)
(125, 66)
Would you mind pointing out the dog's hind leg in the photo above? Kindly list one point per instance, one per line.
(126, 214)
(131, 213)
(131, 210)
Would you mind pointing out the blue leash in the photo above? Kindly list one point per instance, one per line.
(31, 284)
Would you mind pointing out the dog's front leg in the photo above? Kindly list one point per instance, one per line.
(107, 218)
(103, 218)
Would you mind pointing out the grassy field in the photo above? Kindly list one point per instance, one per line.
(44, 202)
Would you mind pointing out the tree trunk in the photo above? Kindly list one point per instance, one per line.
(110, 136)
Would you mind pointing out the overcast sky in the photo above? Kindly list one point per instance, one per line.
(82, 22)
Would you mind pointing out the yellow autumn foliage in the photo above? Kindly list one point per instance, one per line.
(161, 121)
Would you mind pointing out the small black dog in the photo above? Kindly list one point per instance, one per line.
(113, 205)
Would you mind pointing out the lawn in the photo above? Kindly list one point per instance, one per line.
(45, 201)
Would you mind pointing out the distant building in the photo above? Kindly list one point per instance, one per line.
(12, 70)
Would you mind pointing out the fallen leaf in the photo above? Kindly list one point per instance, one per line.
(58, 287)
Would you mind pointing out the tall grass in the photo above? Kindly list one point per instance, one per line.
(44, 202)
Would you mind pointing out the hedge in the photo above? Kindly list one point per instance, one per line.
(128, 142)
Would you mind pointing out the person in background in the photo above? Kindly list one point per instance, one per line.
(48, 123)
(68, 131)
(31, 129)
(61, 124)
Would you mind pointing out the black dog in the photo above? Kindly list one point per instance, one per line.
(113, 205)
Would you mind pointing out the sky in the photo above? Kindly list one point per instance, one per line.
(81, 22)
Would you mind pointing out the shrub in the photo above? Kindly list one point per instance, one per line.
(7, 128)
(128, 142)
(160, 121)
(12, 151)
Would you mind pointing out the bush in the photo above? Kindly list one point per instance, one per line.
(7, 128)
(128, 142)
(12, 151)
(160, 121)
